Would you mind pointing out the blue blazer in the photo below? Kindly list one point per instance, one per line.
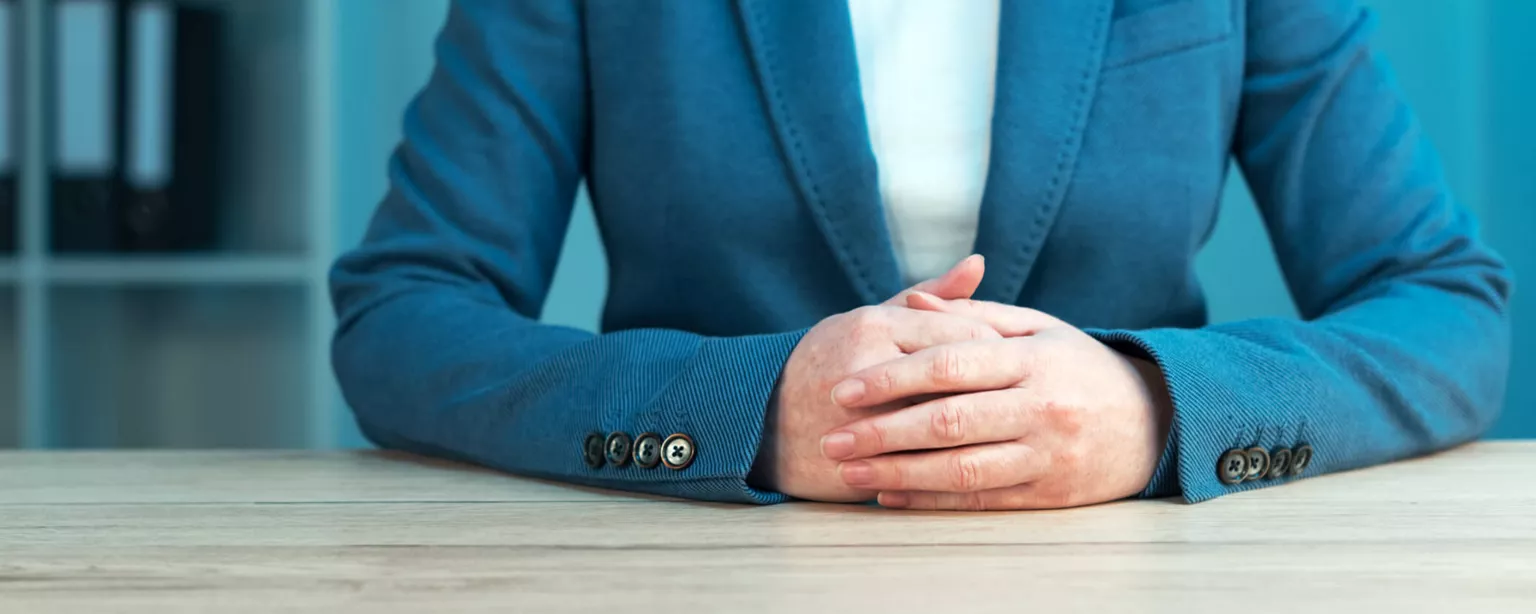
(729, 165)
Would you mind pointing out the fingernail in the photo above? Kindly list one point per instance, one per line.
(923, 300)
(978, 257)
(857, 473)
(837, 446)
(848, 392)
(894, 499)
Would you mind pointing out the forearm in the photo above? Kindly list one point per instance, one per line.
(1418, 366)
(431, 371)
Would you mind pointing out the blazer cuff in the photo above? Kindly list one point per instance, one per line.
(721, 401)
(1211, 416)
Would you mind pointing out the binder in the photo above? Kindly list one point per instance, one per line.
(10, 135)
(85, 56)
(172, 106)
(138, 97)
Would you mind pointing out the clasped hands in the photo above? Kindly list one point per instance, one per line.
(935, 401)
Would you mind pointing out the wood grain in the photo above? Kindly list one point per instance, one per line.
(376, 532)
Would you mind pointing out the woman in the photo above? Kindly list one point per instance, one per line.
(769, 174)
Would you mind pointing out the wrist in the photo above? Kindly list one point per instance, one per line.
(762, 476)
(1159, 405)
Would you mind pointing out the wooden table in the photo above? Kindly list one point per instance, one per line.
(374, 532)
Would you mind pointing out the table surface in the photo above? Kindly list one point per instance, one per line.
(379, 532)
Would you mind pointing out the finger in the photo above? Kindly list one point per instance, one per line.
(948, 368)
(1027, 496)
(913, 330)
(960, 281)
(1006, 498)
(968, 469)
(957, 420)
(1007, 320)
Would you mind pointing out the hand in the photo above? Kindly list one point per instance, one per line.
(1046, 417)
(790, 459)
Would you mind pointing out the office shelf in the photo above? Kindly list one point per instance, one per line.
(10, 399)
(228, 348)
(178, 270)
(189, 366)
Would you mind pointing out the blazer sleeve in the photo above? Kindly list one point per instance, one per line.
(1403, 345)
(438, 349)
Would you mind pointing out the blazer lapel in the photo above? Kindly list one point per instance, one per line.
(1048, 60)
(803, 54)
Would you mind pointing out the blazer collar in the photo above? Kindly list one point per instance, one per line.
(803, 54)
(1048, 59)
(1049, 53)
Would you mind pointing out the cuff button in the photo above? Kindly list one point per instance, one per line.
(677, 452)
(1258, 463)
(1301, 459)
(1279, 463)
(647, 450)
(1233, 467)
(617, 449)
(592, 450)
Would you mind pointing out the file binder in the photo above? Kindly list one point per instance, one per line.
(171, 109)
(85, 133)
(138, 95)
(10, 135)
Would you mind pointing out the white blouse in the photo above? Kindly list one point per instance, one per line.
(927, 71)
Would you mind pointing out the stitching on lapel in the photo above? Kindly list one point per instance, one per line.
(791, 140)
(1067, 155)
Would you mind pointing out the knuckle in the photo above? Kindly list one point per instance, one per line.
(896, 477)
(1067, 460)
(947, 422)
(853, 336)
(981, 332)
(1055, 496)
(1026, 364)
(966, 473)
(1071, 496)
(948, 367)
(1012, 501)
(866, 325)
(869, 316)
(1063, 418)
(1046, 319)
(878, 435)
(859, 319)
(974, 502)
(881, 381)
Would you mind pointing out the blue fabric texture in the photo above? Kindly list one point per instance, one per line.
(726, 153)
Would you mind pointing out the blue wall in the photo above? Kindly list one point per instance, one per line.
(1459, 62)
(1510, 176)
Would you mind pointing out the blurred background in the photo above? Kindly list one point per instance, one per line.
(176, 177)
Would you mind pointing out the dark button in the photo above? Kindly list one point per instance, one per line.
(677, 452)
(592, 450)
(1279, 463)
(647, 450)
(1258, 463)
(1301, 459)
(1233, 466)
(618, 449)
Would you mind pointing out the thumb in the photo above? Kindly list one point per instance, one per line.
(960, 281)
